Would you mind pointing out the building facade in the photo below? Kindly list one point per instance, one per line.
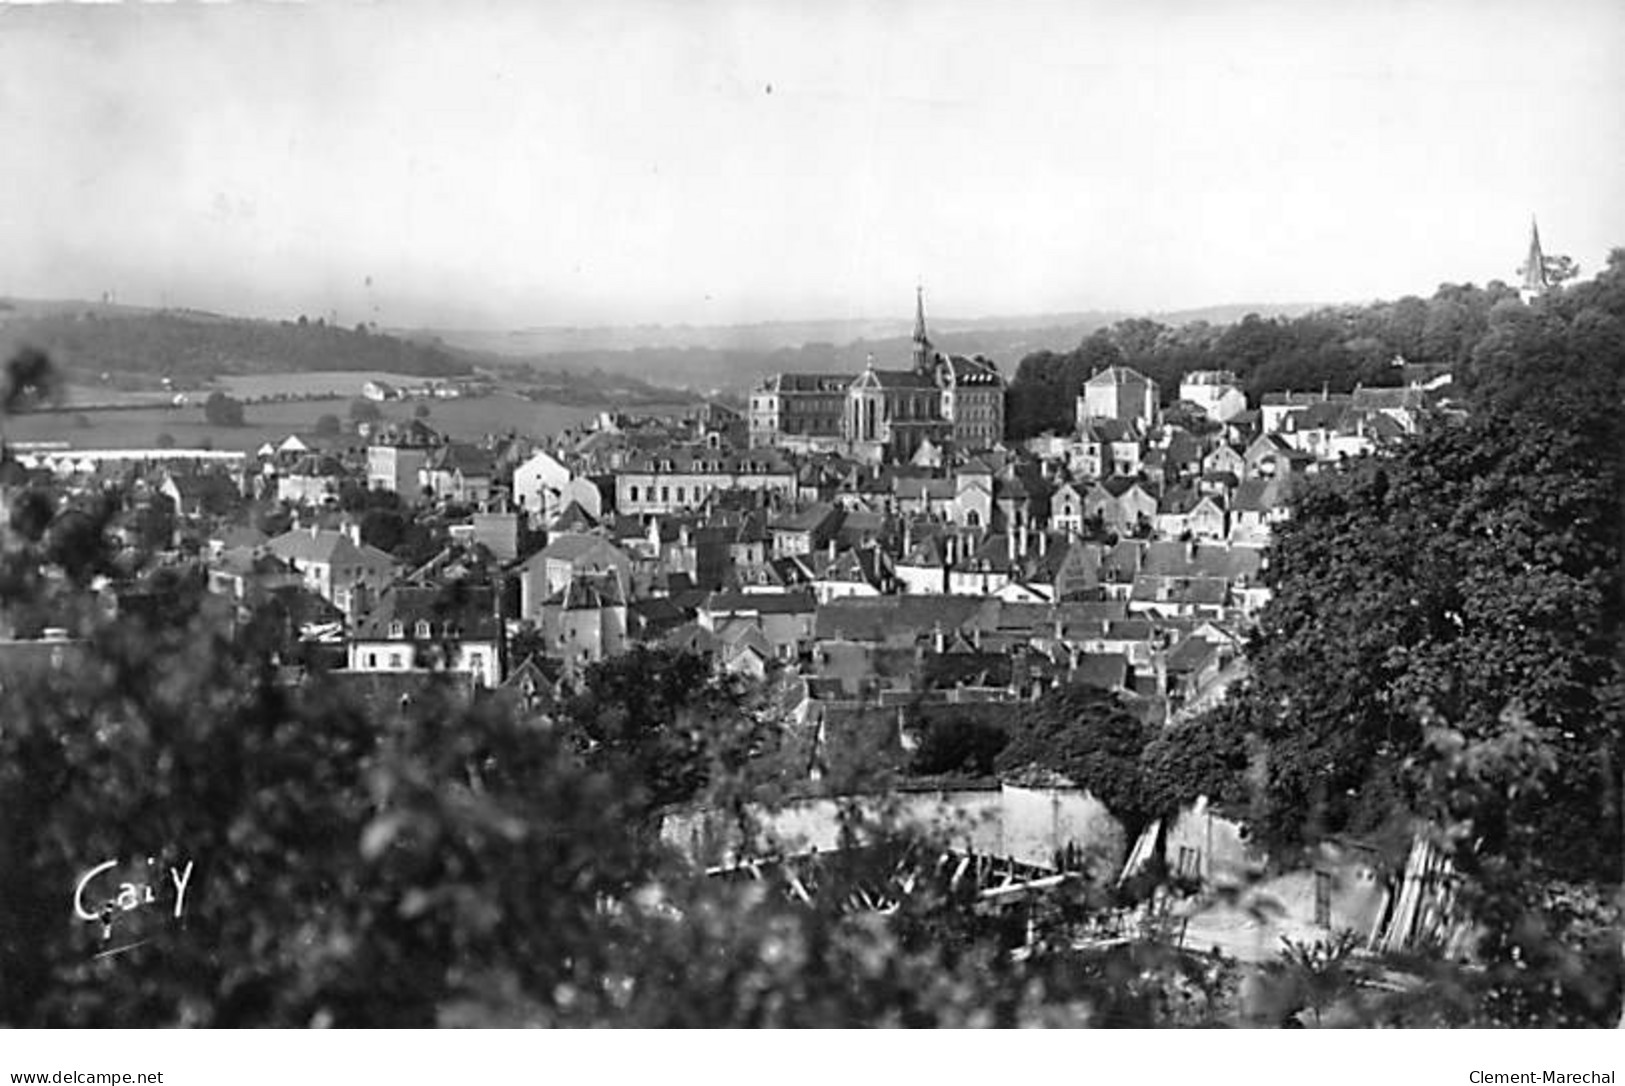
(805, 410)
(1120, 393)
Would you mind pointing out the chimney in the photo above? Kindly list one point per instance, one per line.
(939, 640)
(832, 549)
(353, 530)
(1010, 544)
(315, 530)
(1043, 543)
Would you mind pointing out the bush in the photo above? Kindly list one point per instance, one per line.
(222, 410)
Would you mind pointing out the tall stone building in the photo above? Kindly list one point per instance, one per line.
(801, 411)
(972, 388)
(885, 414)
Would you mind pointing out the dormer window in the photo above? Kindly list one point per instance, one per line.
(422, 630)
(396, 630)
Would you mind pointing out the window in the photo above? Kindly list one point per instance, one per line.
(396, 630)
(632, 493)
(372, 660)
(422, 629)
(395, 660)
(1323, 898)
(1190, 863)
(665, 494)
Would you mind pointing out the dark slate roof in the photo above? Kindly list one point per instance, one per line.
(877, 618)
(569, 546)
(656, 616)
(1203, 591)
(1099, 429)
(588, 593)
(762, 603)
(913, 488)
(1191, 654)
(971, 371)
(335, 548)
(464, 612)
(1106, 670)
(471, 460)
(574, 519)
(900, 379)
(1390, 399)
(819, 515)
(808, 382)
(698, 460)
(1118, 375)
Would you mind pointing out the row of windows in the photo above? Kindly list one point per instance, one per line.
(699, 493)
(397, 661)
(422, 630)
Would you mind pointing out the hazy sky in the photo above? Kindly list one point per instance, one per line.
(558, 163)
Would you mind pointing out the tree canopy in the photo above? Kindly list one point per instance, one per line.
(1445, 634)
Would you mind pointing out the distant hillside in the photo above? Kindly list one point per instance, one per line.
(123, 347)
(733, 357)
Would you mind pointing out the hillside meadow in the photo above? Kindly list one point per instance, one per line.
(464, 419)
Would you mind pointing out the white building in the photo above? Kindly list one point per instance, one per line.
(540, 485)
(1217, 392)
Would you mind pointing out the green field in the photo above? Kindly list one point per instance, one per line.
(465, 419)
(340, 382)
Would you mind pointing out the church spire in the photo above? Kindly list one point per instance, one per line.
(922, 345)
(1534, 267)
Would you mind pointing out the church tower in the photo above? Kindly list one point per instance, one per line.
(922, 345)
(1533, 271)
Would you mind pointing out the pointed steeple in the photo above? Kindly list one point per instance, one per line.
(922, 345)
(1534, 267)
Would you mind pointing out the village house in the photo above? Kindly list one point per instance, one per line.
(1122, 504)
(585, 621)
(336, 565)
(565, 558)
(313, 480)
(1119, 393)
(1066, 511)
(673, 479)
(787, 620)
(428, 628)
(397, 455)
(540, 484)
(457, 472)
(1217, 392)
(804, 531)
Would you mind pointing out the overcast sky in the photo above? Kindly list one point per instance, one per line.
(514, 164)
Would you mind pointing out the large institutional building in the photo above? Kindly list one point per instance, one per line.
(884, 414)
